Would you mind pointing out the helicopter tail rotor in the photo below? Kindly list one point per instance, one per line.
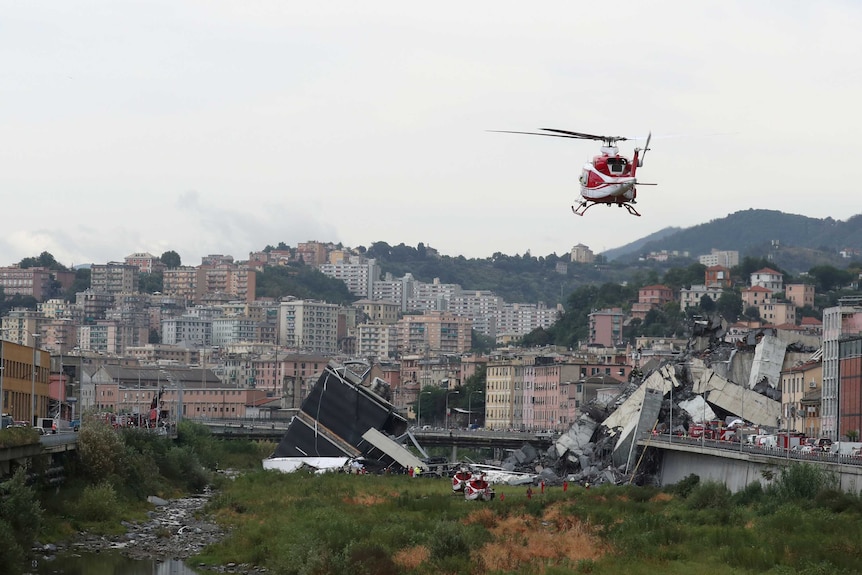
(644, 150)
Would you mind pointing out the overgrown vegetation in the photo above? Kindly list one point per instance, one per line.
(304, 523)
(109, 481)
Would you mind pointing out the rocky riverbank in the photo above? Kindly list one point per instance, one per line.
(175, 529)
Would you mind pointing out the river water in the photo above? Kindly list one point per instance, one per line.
(108, 563)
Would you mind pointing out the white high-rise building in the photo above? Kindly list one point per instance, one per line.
(358, 274)
(308, 326)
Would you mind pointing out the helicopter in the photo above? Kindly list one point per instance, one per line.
(609, 178)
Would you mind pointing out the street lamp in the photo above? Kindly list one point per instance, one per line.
(469, 410)
(447, 405)
(35, 337)
(419, 408)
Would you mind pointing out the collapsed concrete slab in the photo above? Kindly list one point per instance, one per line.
(573, 443)
(337, 414)
(660, 380)
(746, 404)
(697, 409)
(768, 361)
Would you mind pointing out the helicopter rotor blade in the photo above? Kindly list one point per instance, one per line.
(536, 134)
(584, 136)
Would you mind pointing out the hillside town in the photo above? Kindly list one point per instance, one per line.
(219, 352)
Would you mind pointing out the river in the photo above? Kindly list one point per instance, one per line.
(107, 563)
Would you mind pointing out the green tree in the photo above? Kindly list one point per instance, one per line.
(44, 260)
(20, 518)
(171, 259)
(151, 283)
(829, 277)
(100, 450)
(82, 283)
(729, 305)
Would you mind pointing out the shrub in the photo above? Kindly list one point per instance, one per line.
(97, 503)
(801, 481)
(20, 510)
(100, 450)
(12, 554)
(709, 495)
(685, 486)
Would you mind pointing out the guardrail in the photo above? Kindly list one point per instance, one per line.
(734, 446)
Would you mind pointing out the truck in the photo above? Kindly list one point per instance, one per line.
(6, 421)
(54, 425)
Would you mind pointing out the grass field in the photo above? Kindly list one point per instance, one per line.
(307, 524)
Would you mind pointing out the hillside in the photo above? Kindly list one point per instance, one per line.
(798, 240)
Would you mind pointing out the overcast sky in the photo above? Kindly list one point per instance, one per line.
(224, 126)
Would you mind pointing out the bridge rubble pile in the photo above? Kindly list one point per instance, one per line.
(737, 383)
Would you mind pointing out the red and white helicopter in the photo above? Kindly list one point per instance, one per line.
(609, 178)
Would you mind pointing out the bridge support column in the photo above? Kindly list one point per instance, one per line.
(454, 457)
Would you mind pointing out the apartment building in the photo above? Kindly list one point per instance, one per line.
(187, 330)
(436, 332)
(234, 281)
(768, 278)
(311, 253)
(796, 384)
(378, 311)
(691, 296)
(114, 278)
(34, 282)
(397, 291)
(840, 322)
(19, 324)
(308, 325)
(650, 297)
(358, 274)
(102, 336)
(717, 276)
(181, 283)
(724, 258)
(801, 295)
(756, 296)
(233, 329)
(778, 313)
(146, 262)
(606, 327)
(377, 340)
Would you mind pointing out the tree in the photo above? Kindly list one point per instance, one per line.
(171, 259)
(20, 519)
(151, 283)
(45, 260)
(752, 312)
(729, 305)
(82, 283)
(829, 278)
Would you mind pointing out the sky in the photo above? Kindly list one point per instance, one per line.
(221, 127)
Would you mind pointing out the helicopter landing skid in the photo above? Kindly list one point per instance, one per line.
(584, 206)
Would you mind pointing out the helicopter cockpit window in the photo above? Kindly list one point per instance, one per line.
(616, 165)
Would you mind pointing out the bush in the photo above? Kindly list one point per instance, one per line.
(709, 495)
(12, 554)
(100, 450)
(97, 503)
(181, 464)
(20, 510)
(684, 487)
(801, 481)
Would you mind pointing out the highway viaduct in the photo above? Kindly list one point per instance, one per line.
(724, 462)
